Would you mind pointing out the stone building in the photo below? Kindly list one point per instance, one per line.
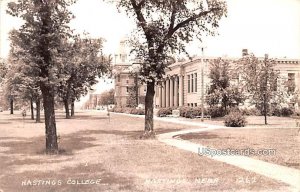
(182, 85)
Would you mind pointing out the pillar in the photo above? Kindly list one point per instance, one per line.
(168, 92)
(164, 94)
(171, 92)
(180, 90)
(176, 91)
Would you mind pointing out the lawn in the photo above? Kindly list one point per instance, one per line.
(102, 155)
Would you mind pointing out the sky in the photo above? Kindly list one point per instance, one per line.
(261, 26)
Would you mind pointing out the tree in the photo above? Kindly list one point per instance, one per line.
(165, 27)
(39, 38)
(3, 69)
(107, 97)
(222, 90)
(18, 80)
(132, 100)
(260, 80)
(81, 66)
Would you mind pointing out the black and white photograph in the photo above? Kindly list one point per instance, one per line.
(149, 95)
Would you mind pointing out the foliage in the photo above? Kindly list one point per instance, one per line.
(216, 111)
(260, 81)
(286, 112)
(192, 112)
(250, 112)
(3, 69)
(128, 110)
(235, 119)
(163, 28)
(221, 91)
(107, 97)
(163, 112)
(37, 45)
(132, 98)
(80, 66)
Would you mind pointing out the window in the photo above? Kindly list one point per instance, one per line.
(127, 89)
(196, 83)
(291, 82)
(195, 104)
(188, 104)
(192, 86)
(192, 105)
(127, 81)
(189, 81)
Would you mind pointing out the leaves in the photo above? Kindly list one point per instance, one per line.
(165, 27)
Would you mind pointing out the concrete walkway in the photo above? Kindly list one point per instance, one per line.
(284, 174)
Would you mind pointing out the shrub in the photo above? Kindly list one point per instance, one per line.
(235, 119)
(137, 111)
(286, 112)
(119, 110)
(183, 111)
(191, 112)
(163, 112)
(215, 111)
(250, 112)
(275, 111)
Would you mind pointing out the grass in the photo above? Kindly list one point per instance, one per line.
(285, 142)
(95, 148)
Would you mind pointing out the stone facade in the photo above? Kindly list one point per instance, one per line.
(182, 85)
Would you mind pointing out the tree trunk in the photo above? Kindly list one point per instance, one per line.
(48, 103)
(265, 108)
(38, 111)
(66, 103)
(11, 106)
(31, 109)
(149, 108)
(72, 108)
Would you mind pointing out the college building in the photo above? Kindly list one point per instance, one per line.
(186, 83)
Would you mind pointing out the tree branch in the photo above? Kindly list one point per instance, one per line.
(140, 16)
(187, 21)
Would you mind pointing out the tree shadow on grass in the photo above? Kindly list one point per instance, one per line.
(135, 135)
(36, 146)
(5, 122)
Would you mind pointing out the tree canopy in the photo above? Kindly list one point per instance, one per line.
(165, 27)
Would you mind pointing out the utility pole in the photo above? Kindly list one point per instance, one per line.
(202, 85)
(265, 88)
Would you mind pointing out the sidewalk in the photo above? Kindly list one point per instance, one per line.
(284, 174)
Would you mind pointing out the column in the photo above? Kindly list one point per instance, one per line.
(176, 91)
(163, 94)
(180, 91)
(171, 92)
(160, 95)
(168, 92)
